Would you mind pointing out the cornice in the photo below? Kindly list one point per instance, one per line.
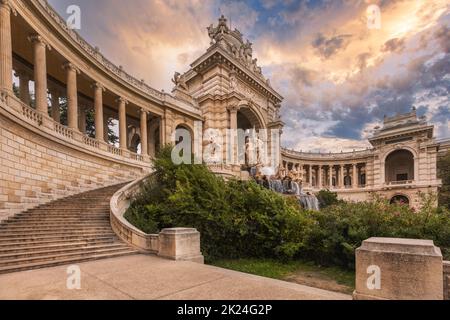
(217, 55)
(94, 56)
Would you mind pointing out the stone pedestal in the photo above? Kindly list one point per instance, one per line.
(398, 269)
(180, 244)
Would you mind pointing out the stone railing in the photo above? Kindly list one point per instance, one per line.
(175, 243)
(118, 71)
(395, 183)
(327, 156)
(46, 124)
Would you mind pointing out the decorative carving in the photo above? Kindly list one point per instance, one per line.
(95, 53)
(180, 81)
(70, 66)
(234, 44)
(36, 38)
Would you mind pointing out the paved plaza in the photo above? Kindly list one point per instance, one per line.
(146, 277)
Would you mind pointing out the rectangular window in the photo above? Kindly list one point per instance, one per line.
(402, 177)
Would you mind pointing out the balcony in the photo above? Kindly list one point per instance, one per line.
(399, 183)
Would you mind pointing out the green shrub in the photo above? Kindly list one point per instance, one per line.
(327, 198)
(235, 218)
(239, 219)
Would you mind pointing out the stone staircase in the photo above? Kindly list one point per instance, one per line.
(66, 231)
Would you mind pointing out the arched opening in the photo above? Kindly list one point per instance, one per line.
(399, 166)
(248, 121)
(183, 132)
(400, 199)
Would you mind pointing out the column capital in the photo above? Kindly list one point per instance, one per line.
(234, 108)
(38, 39)
(142, 110)
(122, 100)
(70, 66)
(98, 85)
(8, 3)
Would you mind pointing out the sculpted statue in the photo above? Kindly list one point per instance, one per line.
(213, 150)
(180, 81)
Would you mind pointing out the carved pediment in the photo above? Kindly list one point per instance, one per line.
(233, 42)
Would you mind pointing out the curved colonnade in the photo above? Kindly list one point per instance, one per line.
(50, 81)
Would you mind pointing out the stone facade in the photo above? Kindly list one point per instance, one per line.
(35, 169)
(400, 166)
(43, 158)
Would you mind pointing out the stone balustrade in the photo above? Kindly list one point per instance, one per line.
(172, 243)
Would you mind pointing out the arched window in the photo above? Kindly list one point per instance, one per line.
(400, 199)
(399, 166)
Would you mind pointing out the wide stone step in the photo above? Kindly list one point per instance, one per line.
(61, 236)
(50, 221)
(46, 258)
(66, 215)
(26, 244)
(69, 230)
(71, 209)
(53, 231)
(49, 251)
(42, 224)
(66, 261)
(51, 225)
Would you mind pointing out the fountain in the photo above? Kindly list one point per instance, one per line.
(307, 200)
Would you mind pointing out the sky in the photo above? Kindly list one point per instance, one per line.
(339, 71)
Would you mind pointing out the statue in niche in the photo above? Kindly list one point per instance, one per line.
(180, 81)
(212, 151)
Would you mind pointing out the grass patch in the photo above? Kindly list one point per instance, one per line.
(307, 273)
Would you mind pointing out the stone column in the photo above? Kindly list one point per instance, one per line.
(122, 123)
(354, 176)
(56, 111)
(310, 175)
(24, 86)
(341, 176)
(82, 120)
(144, 133)
(319, 184)
(98, 110)
(40, 73)
(330, 172)
(233, 126)
(5, 46)
(72, 95)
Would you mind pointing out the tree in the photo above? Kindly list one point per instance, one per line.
(90, 122)
(444, 174)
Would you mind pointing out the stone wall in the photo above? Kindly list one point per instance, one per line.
(36, 169)
(446, 280)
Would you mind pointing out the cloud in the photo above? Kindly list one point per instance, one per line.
(394, 45)
(329, 47)
(338, 77)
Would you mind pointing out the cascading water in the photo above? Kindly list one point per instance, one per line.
(308, 201)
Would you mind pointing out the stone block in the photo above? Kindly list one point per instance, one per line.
(398, 269)
(180, 244)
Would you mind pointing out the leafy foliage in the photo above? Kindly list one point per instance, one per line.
(444, 173)
(243, 220)
(327, 198)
